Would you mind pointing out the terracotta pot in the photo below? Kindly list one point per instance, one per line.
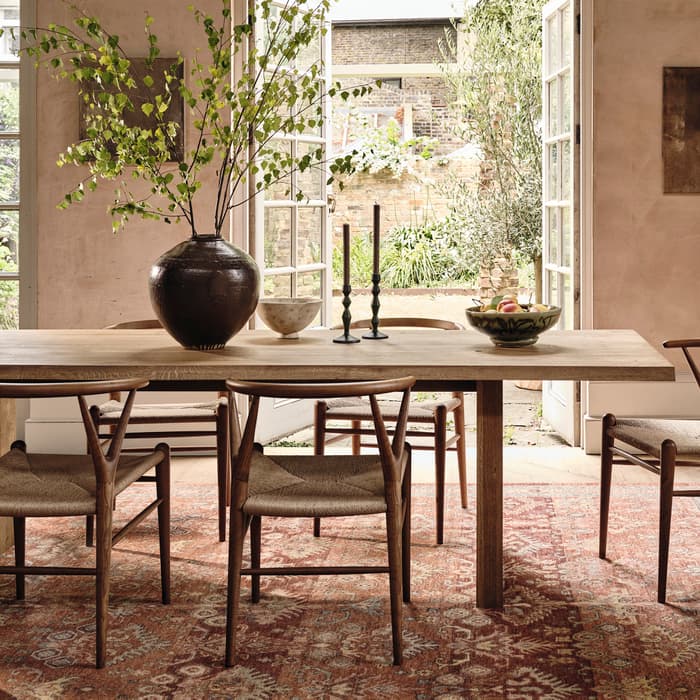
(204, 290)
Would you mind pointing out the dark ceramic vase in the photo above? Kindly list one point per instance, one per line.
(204, 290)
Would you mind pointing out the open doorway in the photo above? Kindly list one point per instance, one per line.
(404, 124)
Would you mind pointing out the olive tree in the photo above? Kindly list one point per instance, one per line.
(496, 98)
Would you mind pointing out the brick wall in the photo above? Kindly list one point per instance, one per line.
(407, 201)
(431, 117)
(397, 44)
(404, 200)
(388, 43)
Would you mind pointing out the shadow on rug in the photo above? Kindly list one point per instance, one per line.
(573, 626)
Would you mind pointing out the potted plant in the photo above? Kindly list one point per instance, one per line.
(204, 290)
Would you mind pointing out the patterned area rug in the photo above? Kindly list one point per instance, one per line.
(573, 626)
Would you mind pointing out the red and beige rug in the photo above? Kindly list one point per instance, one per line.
(573, 626)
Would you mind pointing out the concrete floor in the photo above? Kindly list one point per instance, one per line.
(521, 465)
(532, 452)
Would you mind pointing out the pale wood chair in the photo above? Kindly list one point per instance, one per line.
(658, 445)
(322, 486)
(55, 485)
(166, 420)
(431, 415)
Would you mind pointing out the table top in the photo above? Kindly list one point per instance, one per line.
(430, 355)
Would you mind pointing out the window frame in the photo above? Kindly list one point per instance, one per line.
(27, 183)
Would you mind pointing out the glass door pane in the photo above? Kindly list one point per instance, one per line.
(291, 229)
(9, 165)
(560, 404)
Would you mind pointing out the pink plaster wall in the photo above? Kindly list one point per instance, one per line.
(87, 276)
(646, 245)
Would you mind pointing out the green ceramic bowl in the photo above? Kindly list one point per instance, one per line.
(513, 330)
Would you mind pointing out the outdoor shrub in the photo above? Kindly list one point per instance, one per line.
(426, 256)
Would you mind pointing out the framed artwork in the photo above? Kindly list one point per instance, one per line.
(681, 130)
(141, 95)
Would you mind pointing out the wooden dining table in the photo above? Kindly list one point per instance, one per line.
(458, 360)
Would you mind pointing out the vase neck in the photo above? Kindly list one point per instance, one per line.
(205, 236)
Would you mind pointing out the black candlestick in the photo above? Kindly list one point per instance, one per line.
(346, 337)
(375, 333)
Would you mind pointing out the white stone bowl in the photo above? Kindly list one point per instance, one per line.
(287, 316)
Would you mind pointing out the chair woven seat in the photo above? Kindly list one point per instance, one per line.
(301, 486)
(41, 485)
(358, 409)
(647, 434)
(163, 412)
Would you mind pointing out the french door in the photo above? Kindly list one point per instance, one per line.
(561, 200)
(292, 237)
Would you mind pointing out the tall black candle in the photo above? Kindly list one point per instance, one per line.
(346, 254)
(376, 240)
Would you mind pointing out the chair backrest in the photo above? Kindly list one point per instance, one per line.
(391, 453)
(686, 345)
(409, 322)
(105, 460)
(136, 325)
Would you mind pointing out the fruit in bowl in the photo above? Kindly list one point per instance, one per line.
(511, 324)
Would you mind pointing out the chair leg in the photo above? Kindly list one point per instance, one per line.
(255, 531)
(319, 445)
(89, 530)
(19, 531)
(222, 466)
(668, 468)
(606, 464)
(394, 516)
(163, 494)
(440, 451)
(356, 440)
(233, 588)
(103, 555)
(406, 530)
(460, 430)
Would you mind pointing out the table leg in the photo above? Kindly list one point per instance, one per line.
(489, 494)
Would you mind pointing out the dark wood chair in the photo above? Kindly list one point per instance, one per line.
(658, 445)
(431, 415)
(322, 486)
(166, 420)
(54, 485)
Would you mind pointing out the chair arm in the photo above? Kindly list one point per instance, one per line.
(59, 389)
(689, 343)
(321, 390)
